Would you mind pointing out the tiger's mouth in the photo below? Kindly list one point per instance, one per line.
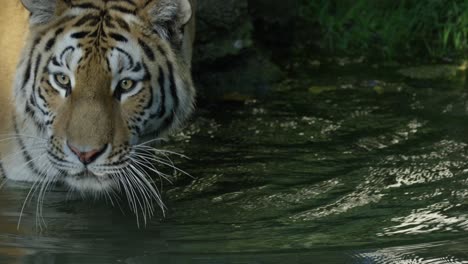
(89, 173)
(90, 182)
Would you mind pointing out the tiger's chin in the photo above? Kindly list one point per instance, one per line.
(88, 182)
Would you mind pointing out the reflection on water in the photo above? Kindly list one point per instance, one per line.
(354, 173)
(408, 254)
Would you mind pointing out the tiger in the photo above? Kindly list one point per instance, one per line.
(95, 83)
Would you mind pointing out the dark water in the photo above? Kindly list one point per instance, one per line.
(344, 166)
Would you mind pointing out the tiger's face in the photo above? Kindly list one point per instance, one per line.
(96, 78)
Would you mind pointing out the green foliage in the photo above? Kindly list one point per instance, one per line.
(391, 28)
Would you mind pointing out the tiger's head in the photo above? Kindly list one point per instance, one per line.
(97, 78)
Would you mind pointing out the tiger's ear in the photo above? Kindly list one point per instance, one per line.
(43, 11)
(169, 16)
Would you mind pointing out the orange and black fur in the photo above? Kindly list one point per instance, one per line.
(95, 81)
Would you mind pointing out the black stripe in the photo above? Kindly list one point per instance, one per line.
(165, 124)
(123, 10)
(129, 57)
(108, 22)
(36, 70)
(137, 128)
(27, 74)
(50, 43)
(158, 33)
(162, 51)
(49, 122)
(127, 1)
(162, 81)
(31, 101)
(173, 87)
(45, 69)
(24, 152)
(56, 62)
(85, 6)
(55, 157)
(137, 67)
(35, 77)
(65, 51)
(80, 35)
(149, 53)
(2, 170)
(30, 112)
(85, 19)
(147, 3)
(169, 121)
(147, 78)
(108, 65)
(44, 112)
(43, 99)
(118, 37)
(59, 31)
(122, 23)
(94, 34)
(29, 107)
(60, 22)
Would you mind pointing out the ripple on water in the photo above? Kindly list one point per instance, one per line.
(390, 178)
(434, 218)
(341, 170)
(414, 254)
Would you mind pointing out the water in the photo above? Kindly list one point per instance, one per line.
(347, 165)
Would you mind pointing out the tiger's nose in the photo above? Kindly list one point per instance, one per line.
(87, 157)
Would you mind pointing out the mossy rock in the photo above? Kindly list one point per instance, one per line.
(247, 76)
(226, 45)
(228, 63)
(431, 72)
(224, 29)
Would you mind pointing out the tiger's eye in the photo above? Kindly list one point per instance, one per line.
(126, 84)
(62, 79)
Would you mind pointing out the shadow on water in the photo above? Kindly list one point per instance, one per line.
(352, 166)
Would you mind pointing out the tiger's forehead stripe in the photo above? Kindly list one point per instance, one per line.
(95, 31)
(51, 41)
(126, 6)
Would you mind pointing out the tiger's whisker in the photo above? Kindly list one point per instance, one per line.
(159, 161)
(150, 141)
(143, 176)
(147, 148)
(144, 191)
(24, 203)
(153, 169)
(146, 209)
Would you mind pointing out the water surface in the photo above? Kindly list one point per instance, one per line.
(340, 165)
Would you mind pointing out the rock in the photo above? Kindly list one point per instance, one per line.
(224, 29)
(430, 72)
(321, 89)
(248, 75)
(228, 56)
